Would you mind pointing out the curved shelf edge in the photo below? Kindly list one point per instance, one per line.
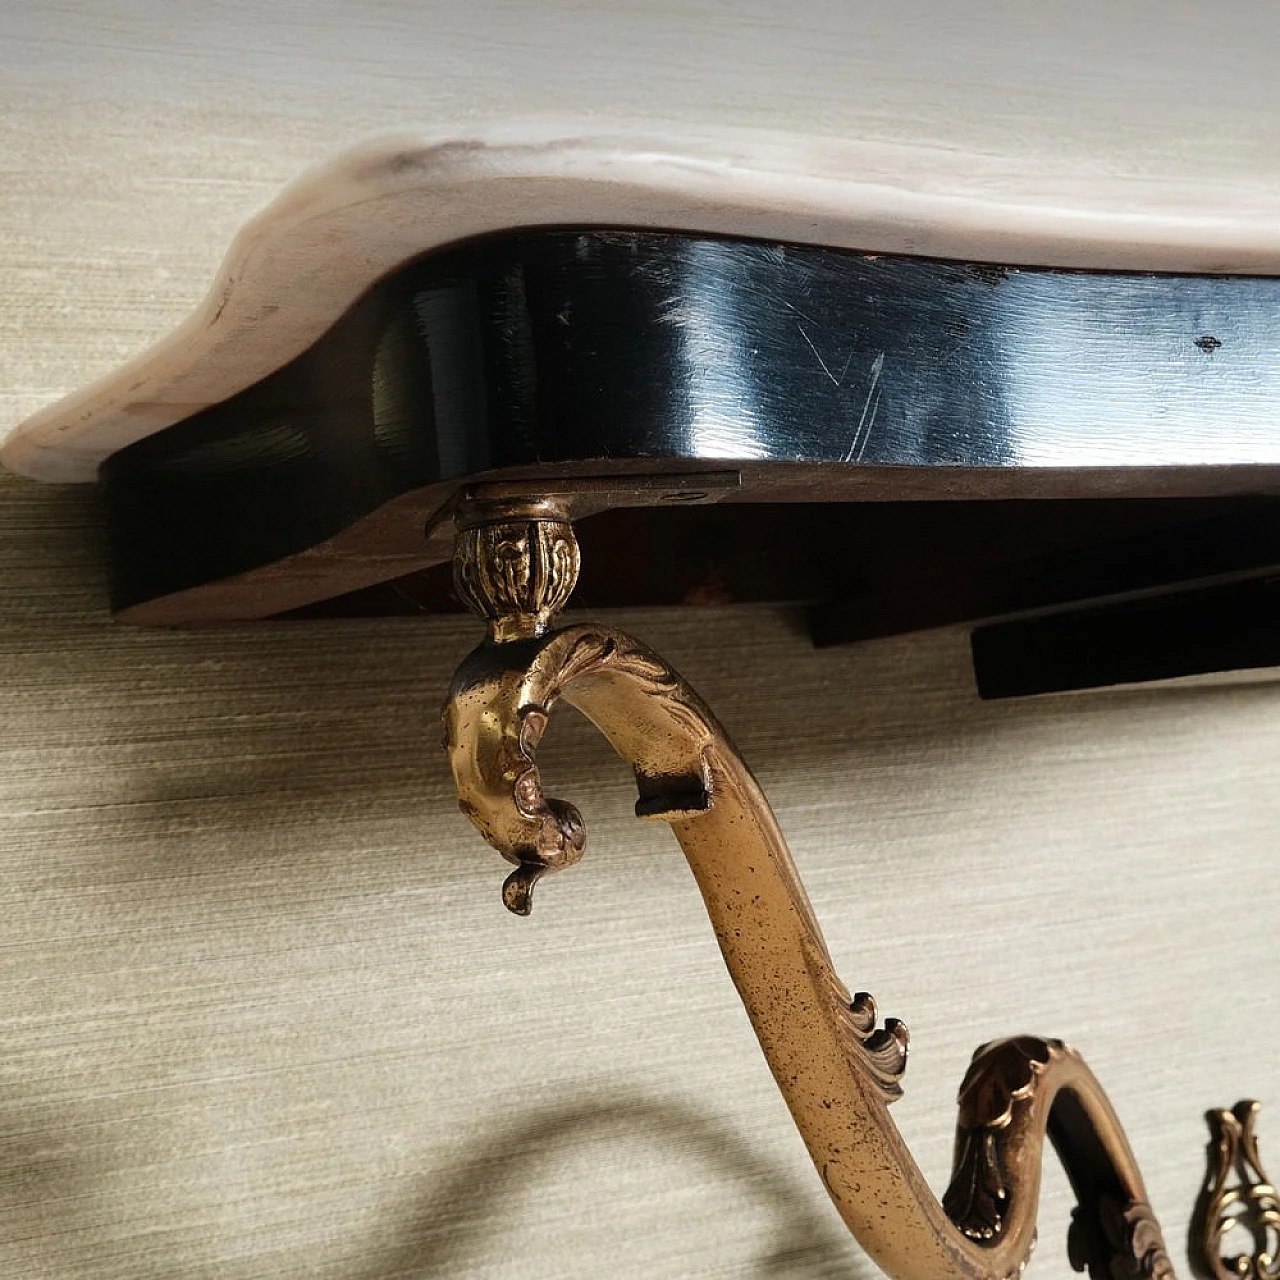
(283, 282)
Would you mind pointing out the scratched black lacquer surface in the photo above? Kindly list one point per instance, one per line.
(562, 346)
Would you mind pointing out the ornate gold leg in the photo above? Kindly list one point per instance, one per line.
(515, 564)
(1250, 1205)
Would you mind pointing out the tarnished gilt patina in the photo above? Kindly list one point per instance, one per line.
(836, 1065)
(517, 568)
(1238, 1201)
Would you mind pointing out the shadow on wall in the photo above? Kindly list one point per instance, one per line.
(246, 733)
(142, 760)
(498, 1180)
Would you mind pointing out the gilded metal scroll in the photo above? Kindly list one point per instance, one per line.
(1238, 1201)
(836, 1066)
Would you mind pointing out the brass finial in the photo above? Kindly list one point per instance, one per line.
(515, 564)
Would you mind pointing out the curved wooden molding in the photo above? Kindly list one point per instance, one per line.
(298, 265)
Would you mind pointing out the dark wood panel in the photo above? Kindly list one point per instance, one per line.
(822, 376)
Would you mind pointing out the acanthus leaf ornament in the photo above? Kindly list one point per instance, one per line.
(515, 565)
(1001, 1081)
(836, 1068)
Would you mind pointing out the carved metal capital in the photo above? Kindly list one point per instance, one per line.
(515, 564)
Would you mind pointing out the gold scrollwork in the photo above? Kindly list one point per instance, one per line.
(1002, 1079)
(1237, 1197)
(837, 1069)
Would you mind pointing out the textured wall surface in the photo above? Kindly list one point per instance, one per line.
(262, 1012)
(264, 1015)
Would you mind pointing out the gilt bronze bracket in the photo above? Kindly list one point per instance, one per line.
(838, 1067)
(1248, 1206)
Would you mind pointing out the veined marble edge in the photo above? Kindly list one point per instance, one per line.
(279, 287)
